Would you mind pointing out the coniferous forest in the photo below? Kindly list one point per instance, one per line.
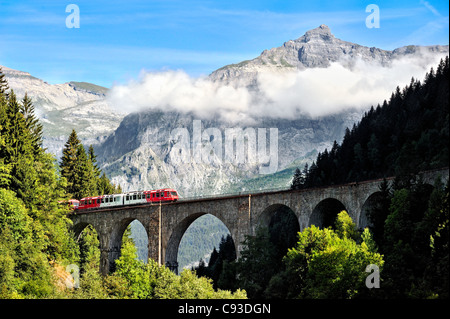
(407, 238)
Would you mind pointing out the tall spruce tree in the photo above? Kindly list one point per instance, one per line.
(3, 82)
(69, 161)
(32, 122)
(85, 183)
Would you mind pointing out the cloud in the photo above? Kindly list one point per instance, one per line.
(314, 92)
(431, 8)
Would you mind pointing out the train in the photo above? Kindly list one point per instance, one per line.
(131, 198)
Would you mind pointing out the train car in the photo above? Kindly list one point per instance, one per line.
(73, 203)
(90, 202)
(130, 198)
(154, 196)
(165, 195)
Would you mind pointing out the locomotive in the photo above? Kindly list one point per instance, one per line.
(131, 198)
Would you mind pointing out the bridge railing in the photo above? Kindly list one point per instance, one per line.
(243, 193)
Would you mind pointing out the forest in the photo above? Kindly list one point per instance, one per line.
(407, 238)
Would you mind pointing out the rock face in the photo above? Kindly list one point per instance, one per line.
(139, 154)
(61, 107)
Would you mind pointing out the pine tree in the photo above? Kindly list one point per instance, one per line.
(85, 182)
(32, 122)
(69, 161)
(299, 180)
(93, 158)
(3, 82)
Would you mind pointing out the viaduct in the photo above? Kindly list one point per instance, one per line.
(165, 224)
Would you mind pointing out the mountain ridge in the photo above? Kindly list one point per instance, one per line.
(316, 48)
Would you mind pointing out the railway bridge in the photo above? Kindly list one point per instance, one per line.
(165, 224)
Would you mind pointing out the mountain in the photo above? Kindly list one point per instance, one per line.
(317, 48)
(137, 150)
(139, 153)
(61, 107)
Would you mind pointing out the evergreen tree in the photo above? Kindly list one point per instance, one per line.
(69, 162)
(3, 82)
(85, 182)
(299, 180)
(93, 158)
(32, 122)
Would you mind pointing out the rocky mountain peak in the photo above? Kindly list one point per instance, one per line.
(321, 33)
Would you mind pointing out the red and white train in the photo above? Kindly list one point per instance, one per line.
(130, 198)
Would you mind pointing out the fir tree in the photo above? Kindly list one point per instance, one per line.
(69, 161)
(299, 180)
(32, 122)
(85, 182)
(3, 82)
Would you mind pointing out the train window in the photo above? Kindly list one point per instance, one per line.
(174, 193)
(134, 196)
(162, 194)
(89, 202)
(98, 200)
(157, 194)
(127, 197)
(148, 195)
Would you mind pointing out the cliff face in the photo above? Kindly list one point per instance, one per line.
(140, 153)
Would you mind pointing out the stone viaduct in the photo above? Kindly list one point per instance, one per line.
(241, 214)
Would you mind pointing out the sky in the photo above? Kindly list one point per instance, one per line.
(117, 40)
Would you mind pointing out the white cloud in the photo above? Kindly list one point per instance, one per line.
(317, 91)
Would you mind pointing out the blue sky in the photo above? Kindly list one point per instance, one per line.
(118, 39)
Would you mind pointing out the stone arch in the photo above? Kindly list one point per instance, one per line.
(325, 212)
(282, 225)
(265, 217)
(79, 227)
(114, 242)
(372, 201)
(173, 243)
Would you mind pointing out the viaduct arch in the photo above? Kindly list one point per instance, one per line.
(241, 214)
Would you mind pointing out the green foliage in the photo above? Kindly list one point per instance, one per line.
(81, 171)
(151, 281)
(345, 227)
(412, 268)
(331, 264)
